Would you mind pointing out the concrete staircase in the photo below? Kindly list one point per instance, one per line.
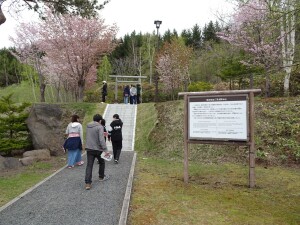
(127, 114)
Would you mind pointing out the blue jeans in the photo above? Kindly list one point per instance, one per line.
(133, 99)
(91, 155)
(125, 99)
(78, 156)
(73, 156)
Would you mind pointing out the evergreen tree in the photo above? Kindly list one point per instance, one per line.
(123, 49)
(175, 34)
(167, 36)
(187, 37)
(196, 36)
(13, 130)
(210, 33)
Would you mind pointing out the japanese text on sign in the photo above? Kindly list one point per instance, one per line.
(218, 118)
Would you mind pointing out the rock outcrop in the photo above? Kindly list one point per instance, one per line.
(47, 127)
(30, 157)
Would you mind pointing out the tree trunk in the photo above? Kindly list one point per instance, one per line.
(6, 74)
(57, 86)
(286, 84)
(57, 94)
(268, 86)
(81, 84)
(287, 31)
(2, 17)
(185, 85)
(156, 87)
(42, 91)
(16, 73)
(251, 81)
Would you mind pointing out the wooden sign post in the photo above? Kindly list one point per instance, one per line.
(220, 117)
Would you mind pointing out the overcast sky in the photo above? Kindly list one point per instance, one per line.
(139, 15)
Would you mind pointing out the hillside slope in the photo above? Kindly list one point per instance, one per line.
(277, 134)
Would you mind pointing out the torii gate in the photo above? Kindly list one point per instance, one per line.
(139, 80)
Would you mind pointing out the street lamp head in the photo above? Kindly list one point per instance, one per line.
(157, 23)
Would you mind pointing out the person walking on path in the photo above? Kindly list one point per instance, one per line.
(133, 94)
(74, 142)
(95, 145)
(102, 122)
(104, 91)
(126, 94)
(115, 136)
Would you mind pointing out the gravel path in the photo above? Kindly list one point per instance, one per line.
(63, 200)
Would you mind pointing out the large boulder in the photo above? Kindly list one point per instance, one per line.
(27, 161)
(47, 128)
(40, 154)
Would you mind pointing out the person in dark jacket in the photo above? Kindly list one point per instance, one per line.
(126, 94)
(138, 93)
(102, 122)
(104, 91)
(115, 136)
(94, 146)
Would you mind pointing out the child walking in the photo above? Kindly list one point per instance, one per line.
(115, 136)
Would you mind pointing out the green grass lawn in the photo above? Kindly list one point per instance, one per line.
(15, 182)
(217, 193)
(24, 92)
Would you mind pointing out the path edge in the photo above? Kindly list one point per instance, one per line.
(126, 201)
(31, 189)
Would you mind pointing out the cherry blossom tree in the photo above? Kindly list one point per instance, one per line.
(254, 31)
(173, 66)
(71, 45)
(75, 45)
(27, 51)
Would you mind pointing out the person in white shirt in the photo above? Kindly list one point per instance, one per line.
(133, 93)
(74, 142)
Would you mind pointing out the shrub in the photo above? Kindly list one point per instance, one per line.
(200, 86)
(14, 133)
(295, 84)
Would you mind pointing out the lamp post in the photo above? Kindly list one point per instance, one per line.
(157, 25)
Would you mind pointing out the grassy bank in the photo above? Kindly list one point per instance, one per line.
(218, 190)
(15, 182)
(277, 134)
(24, 92)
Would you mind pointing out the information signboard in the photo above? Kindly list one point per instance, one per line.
(220, 118)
